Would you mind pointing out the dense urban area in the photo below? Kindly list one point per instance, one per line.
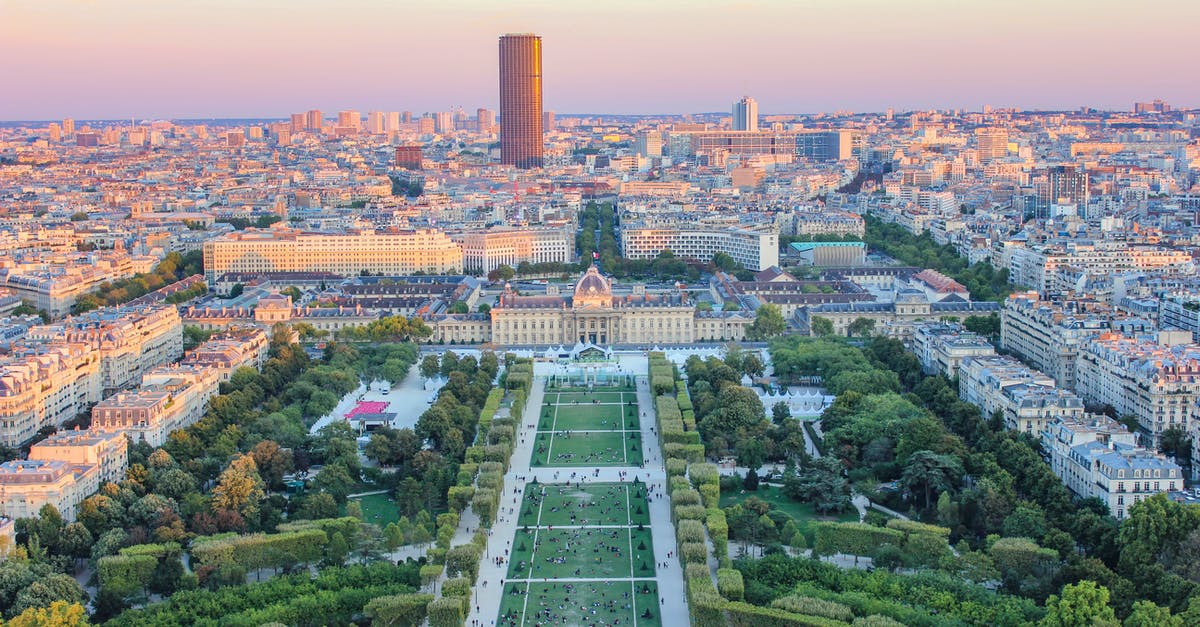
(893, 368)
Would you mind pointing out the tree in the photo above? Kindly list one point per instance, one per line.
(930, 472)
(273, 462)
(752, 365)
(780, 412)
(319, 505)
(820, 327)
(337, 550)
(1147, 614)
(724, 262)
(1176, 443)
(58, 614)
(239, 488)
(430, 367)
(768, 323)
(987, 326)
(821, 483)
(861, 327)
(751, 453)
(46, 590)
(1084, 604)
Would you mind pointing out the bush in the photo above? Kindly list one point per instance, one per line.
(704, 473)
(676, 467)
(685, 497)
(694, 553)
(814, 607)
(729, 584)
(689, 531)
(446, 612)
(690, 512)
(402, 610)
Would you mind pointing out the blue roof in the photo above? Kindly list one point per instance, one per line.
(807, 246)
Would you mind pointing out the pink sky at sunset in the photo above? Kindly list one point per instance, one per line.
(249, 58)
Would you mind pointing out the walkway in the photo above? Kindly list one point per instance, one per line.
(487, 600)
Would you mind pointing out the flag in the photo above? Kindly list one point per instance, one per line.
(595, 255)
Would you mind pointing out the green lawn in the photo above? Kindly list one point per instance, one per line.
(553, 387)
(590, 504)
(803, 513)
(567, 398)
(581, 603)
(603, 553)
(379, 509)
(596, 448)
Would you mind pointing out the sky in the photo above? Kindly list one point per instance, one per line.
(151, 59)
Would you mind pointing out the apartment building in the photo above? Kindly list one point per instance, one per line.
(1180, 311)
(1096, 456)
(45, 386)
(236, 347)
(485, 251)
(754, 248)
(1048, 334)
(127, 341)
(1155, 382)
(107, 451)
(1027, 399)
(170, 398)
(344, 254)
(28, 485)
(1039, 267)
(942, 346)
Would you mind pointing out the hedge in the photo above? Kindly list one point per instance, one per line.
(729, 584)
(685, 497)
(689, 531)
(912, 526)
(459, 497)
(694, 552)
(690, 512)
(399, 610)
(676, 467)
(711, 493)
(260, 550)
(458, 588)
(703, 473)
(463, 561)
(446, 612)
(124, 575)
(814, 607)
(853, 538)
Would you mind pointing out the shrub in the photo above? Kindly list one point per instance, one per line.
(729, 584)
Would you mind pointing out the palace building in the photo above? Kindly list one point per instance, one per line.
(592, 315)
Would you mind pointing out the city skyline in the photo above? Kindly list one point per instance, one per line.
(185, 60)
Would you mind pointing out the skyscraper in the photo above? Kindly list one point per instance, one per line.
(521, 100)
(745, 114)
(485, 120)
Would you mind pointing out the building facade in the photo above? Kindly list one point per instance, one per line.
(348, 254)
(1096, 456)
(521, 100)
(484, 251)
(756, 249)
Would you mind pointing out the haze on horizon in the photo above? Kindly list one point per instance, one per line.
(265, 58)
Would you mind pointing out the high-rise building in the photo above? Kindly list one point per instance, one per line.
(406, 117)
(1063, 185)
(349, 118)
(314, 120)
(1158, 106)
(426, 126)
(521, 100)
(391, 121)
(485, 120)
(408, 157)
(299, 122)
(993, 143)
(650, 144)
(745, 114)
(68, 127)
(375, 122)
(548, 121)
(443, 122)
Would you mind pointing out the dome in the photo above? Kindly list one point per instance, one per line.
(592, 289)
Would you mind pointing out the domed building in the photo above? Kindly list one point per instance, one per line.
(592, 314)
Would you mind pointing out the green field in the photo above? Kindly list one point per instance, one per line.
(588, 504)
(590, 448)
(567, 398)
(379, 509)
(802, 513)
(582, 552)
(581, 603)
